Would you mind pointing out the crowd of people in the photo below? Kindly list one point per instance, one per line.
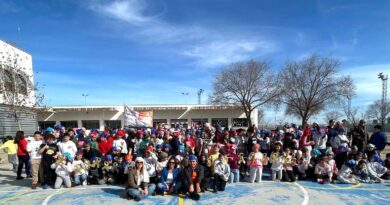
(183, 160)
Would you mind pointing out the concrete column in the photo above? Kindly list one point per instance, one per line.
(79, 124)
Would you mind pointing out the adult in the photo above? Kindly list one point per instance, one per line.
(138, 186)
(360, 135)
(23, 156)
(193, 176)
(169, 181)
(379, 139)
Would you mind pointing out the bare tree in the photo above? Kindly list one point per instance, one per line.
(332, 115)
(313, 84)
(374, 111)
(17, 89)
(247, 84)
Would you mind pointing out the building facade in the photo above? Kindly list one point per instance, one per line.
(112, 116)
(16, 91)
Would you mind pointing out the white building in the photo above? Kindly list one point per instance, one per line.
(16, 90)
(112, 116)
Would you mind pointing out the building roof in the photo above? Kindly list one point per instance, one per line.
(142, 107)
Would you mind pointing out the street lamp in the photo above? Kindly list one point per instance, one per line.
(384, 96)
(85, 98)
(200, 96)
(185, 94)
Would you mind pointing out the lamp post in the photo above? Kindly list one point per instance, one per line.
(85, 98)
(384, 96)
(185, 94)
(200, 96)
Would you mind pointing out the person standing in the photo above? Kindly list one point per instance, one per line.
(360, 136)
(379, 139)
(35, 150)
(11, 149)
(23, 157)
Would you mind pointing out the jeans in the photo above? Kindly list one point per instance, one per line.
(279, 172)
(234, 176)
(78, 179)
(219, 183)
(255, 174)
(161, 187)
(134, 192)
(23, 160)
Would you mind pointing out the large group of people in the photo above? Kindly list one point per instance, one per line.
(170, 161)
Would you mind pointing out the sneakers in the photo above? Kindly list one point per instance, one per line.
(84, 183)
(45, 186)
(19, 178)
(29, 176)
(34, 186)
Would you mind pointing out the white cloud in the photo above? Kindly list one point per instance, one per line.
(130, 11)
(224, 52)
(208, 47)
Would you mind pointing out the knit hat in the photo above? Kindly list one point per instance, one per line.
(140, 133)
(68, 156)
(376, 158)
(149, 149)
(193, 158)
(121, 133)
(159, 146)
(128, 157)
(108, 157)
(139, 159)
(168, 146)
(49, 129)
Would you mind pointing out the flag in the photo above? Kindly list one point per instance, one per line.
(137, 119)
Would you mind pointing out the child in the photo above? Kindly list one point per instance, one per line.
(80, 170)
(289, 163)
(332, 163)
(277, 160)
(323, 171)
(50, 150)
(150, 164)
(386, 164)
(375, 168)
(255, 164)
(119, 142)
(346, 174)
(221, 172)
(63, 170)
(107, 172)
(11, 149)
(104, 146)
(234, 166)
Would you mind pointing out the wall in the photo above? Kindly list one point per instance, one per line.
(8, 125)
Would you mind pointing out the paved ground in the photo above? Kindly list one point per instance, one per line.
(19, 192)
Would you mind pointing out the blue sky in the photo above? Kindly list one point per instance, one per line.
(147, 51)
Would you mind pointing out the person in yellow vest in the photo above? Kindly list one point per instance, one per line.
(11, 149)
(214, 156)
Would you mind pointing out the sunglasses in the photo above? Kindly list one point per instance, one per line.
(139, 162)
(172, 162)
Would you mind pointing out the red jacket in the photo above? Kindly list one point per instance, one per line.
(22, 147)
(104, 147)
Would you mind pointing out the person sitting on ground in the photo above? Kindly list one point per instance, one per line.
(375, 168)
(169, 183)
(221, 172)
(138, 186)
(193, 176)
(323, 171)
(346, 175)
(386, 164)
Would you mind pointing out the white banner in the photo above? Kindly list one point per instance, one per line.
(138, 119)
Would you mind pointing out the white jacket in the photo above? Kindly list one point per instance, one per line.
(222, 169)
(69, 147)
(63, 170)
(33, 148)
(120, 143)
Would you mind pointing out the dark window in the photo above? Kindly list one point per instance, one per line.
(176, 122)
(223, 122)
(8, 81)
(199, 122)
(22, 84)
(43, 125)
(240, 122)
(113, 124)
(90, 124)
(158, 121)
(69, 124)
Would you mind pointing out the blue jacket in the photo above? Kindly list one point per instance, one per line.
(164, 175)
(379, 139)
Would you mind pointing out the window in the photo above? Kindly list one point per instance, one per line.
(223, 122)
(113, 124)
(22, 84)
(69, 124)
(240, 122)
(91, 124)
(8, 81)
(43, 125)
(158, 121)
(199, 122)
(177, 122)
